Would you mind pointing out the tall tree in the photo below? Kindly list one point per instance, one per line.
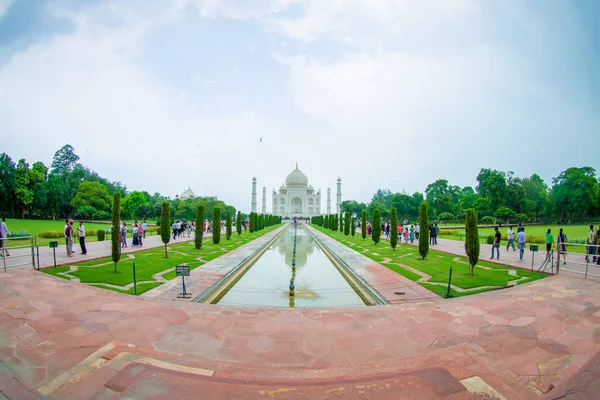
(341, 223)
(23, 190)
(471, 238)
(424, 235)
(216, 234)
(393, 228)
(92, 194)
(575, 191)
(347, 223)
(115, 230)
(492, 185)
(228, 225)
(199, 231)
(336, 223)
(363, 224)
(64, 160)
(238, 223)
(165, 223)
(376, 226)
(8, 172)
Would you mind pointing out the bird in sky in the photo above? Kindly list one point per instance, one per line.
(261, 139)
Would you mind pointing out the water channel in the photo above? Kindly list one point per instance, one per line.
(318, 283)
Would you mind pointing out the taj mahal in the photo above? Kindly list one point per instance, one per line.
(296, 198)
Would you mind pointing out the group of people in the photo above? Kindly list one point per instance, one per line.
(406, 232)
(179, 228)
(138, 233)
(69, 234)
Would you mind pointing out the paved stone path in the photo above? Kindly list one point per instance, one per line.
(69, 340)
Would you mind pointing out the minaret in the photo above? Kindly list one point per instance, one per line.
(328, 201)
(274, 202)
(338, 203)
(253, 209)
(264, 200)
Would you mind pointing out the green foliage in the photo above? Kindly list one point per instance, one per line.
(492, 185)
(487, 220)
(576, 191)
(251, 222)
(101, 235)
(115, 243)
(238, 223)
(336, 223)
(472, 247)
(50, 234)
(489, 239)
(424, 235)
(216, 232)
(165, 224)
(341, 219)
(393, 228)
(353, 226)
(228, 223)
(347, 223)
(19, 233)
(505, 214)
(91, 194)
(326, 222)
(376, 226)
(446, 217)
(199, 232)
(363, 224)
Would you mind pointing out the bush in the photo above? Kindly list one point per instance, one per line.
(487, 220)
(394, 227)
(101, 235)
(376, 226)
(472, 247)
(489, 239)
(448, 232)
(90, 232)
(50, 234)
(102, 216)
(424, 236)
(19, 234)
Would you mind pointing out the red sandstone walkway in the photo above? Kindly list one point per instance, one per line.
(70, 340)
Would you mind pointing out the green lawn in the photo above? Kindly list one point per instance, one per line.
(436, 265)
(572, 231)
(152, 261)
(35, 226)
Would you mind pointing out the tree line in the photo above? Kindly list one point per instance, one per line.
(68, 189)
(574, 196)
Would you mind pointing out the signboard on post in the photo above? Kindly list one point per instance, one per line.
(53, 245)
(183, 271)
(534, 247)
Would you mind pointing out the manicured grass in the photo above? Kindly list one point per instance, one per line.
(152, 262)
(436, 265)
(35, 226)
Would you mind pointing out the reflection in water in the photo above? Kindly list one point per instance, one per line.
(318, 283)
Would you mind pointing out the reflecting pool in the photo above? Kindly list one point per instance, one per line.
(318, 283)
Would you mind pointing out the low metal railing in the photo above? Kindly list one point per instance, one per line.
(586, 264)
(19, 251)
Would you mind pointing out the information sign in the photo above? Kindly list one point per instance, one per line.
(182, 270)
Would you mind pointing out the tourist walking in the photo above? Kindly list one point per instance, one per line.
(135, 230)
(124, 235)
(436, 230)
(4, 232)
(144, 229)
(591, 241)
(417, 231)
(81, 234)
(387, 230)
(69, 237)
(510, 234)
(521, 239)
(431, 234)
(561, 245)
(496, 244)
(549, 242)
(412, 233)
(405, 234)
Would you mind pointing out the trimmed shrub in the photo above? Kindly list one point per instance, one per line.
(228, 225)
(376, 226)
(165, 222)
(101, 235)
(394, 228)
(216, 233)
(90, 232)
(472, 247)
(353, 226)
(347, 223)
(199, 232)
(19, 234)
(363, 224)
(326, 222)
(487, 220)
(448, 232)
(489, 239)
(50, 234)
(424, 235)
(115, 243)
(238, 223)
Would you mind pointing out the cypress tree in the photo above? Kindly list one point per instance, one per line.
(424, 235)
(165, 223)
(363, 224)
(394, 227)
(326, 222)
(199, 232)
(238, 223)
(347, 223)
(335, 222)
(216, 234)
(353, 226)
(341, 223)
(115, 228)
(471, 239)
(228, 225)
(376, 226)
(251, 222)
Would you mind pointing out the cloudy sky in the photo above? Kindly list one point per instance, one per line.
(163, 95)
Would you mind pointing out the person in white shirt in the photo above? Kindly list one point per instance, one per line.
(511, 239)
(417, 231)
(521, 239)
(4, 232)
(144, 229)
(81, 234)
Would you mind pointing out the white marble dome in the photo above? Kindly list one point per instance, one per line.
(296, 178)
(188, 194)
